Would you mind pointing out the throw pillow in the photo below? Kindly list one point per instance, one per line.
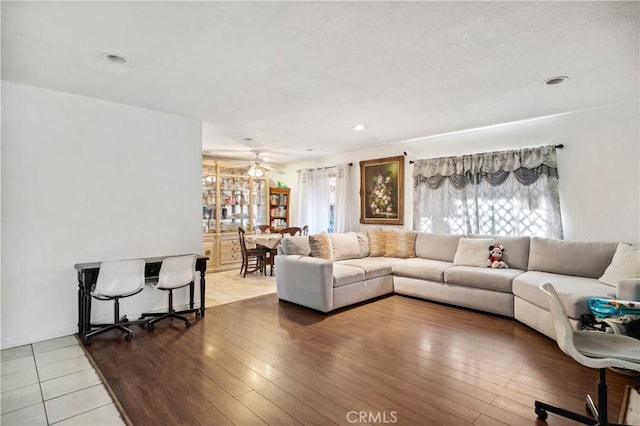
(344, 245)
(295, 245)
(472, 252)
(400, 244)
(376, 243)
(624, 265)
(320, 246)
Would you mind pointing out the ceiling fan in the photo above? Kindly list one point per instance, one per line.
(258, 166)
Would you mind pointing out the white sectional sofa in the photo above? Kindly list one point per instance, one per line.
(452, 269)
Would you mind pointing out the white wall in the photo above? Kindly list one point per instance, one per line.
(599, 166)
(87, 180)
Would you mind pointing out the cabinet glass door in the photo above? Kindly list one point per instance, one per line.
(234, 199)
(259, 199)
(209, 214)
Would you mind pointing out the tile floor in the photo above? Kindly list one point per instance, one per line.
(53, 382)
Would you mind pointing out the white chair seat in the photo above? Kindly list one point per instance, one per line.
(609, 350)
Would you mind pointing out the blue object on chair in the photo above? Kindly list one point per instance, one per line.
(602, 308)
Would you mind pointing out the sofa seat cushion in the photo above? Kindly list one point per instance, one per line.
(416, 267)
(485, 278)
(346, 274)
(573, 291)
(372, 268)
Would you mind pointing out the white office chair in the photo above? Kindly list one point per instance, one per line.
(175, 272)
(593, 349)
(116, 279)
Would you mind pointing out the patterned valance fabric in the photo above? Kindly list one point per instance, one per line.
(527, 165)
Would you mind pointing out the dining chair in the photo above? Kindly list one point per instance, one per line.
(292, 230)
(264, 228)
(175, 272)
(305, 230)
(593, 349)
(116, 279)
(254, 257)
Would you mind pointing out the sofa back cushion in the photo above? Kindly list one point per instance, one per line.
(516, 249)
(579, 258)
(295, 245)
(473, 252)
(363, 241)
(437, 246)
(344, 245)
(320, 246)
(400, 244)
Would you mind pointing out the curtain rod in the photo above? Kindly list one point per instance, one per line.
(559, 146)
(321, 168)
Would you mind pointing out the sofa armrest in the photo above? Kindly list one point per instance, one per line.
(628, 289)
(307, 281)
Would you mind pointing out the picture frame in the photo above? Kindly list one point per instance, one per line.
(382, 191)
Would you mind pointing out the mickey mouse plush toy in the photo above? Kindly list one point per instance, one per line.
(495, 258)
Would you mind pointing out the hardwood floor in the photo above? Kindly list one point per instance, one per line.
(394, 360)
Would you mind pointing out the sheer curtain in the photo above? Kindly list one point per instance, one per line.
(344, 202)
(503, 193)
(313, 199)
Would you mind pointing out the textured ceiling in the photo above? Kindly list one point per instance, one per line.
(295, 76)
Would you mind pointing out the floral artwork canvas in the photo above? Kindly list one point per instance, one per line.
(381, 191)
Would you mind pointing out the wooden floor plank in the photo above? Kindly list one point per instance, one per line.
(260, 361)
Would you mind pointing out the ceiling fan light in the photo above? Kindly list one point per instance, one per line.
(255, 171)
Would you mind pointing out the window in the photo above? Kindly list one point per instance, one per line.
(499, 193)
(324, 203)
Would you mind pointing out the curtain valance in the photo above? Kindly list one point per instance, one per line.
(527, 165)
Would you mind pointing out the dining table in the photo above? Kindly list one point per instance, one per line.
(268, 240)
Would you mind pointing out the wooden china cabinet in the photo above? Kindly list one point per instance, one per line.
(230, 198)
(279, 207)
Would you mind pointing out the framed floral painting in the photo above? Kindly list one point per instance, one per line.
(381, 191)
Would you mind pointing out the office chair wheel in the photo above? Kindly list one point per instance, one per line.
(150, 326)
(86, 342)
(128, 337)
(198, 315)
(187, 323)
(541, 413)
(124, 319)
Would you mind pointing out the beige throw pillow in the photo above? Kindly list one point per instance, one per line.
(376, 243)
(624, 265)
(344, 245)
(295, 245)
(320, 246)
(400, 244)
(472, 252)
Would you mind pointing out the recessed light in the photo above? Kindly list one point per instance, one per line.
(554, 81)
(114, 58)
(248, 139)
(359, 127)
